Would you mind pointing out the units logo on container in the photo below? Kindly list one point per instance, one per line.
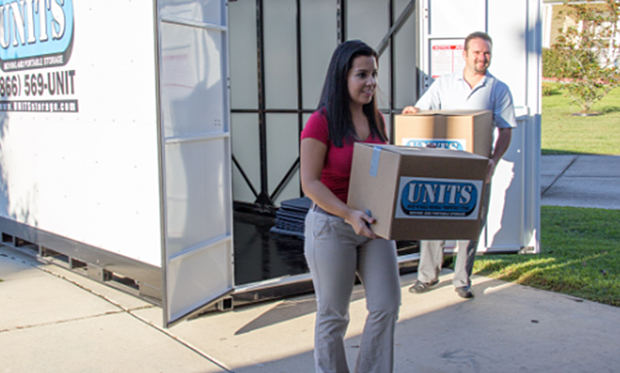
(453, 144)
(438, 198)
(35, 33)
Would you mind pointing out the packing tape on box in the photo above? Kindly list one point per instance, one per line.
(374, 163)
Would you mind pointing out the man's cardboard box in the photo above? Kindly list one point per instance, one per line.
(419, 193)
(468, 130)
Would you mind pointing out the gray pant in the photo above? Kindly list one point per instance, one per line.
(431, 259)
(335, 254)
(431, 254)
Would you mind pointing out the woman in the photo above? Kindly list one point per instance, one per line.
(338, 240)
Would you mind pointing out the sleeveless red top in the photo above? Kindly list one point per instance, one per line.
(337, 167)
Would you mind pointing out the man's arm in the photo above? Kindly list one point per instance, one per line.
(501, 146)
(505, 120)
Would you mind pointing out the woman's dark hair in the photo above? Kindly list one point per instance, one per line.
(335, 98)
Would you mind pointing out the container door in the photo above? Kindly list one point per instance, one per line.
(197, 255)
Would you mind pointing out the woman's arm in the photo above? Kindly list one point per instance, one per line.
(312, 156)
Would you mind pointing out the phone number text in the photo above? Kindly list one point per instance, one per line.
(38, 84)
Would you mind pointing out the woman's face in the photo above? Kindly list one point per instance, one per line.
(362, 80)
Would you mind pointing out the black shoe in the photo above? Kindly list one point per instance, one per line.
(421, 287)
(464, 292)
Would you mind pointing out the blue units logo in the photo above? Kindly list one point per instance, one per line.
(441, 199)
(35, 33)
(441, 144)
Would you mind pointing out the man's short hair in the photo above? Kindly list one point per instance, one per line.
(475, 35)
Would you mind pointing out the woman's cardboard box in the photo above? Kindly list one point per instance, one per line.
(419, 193)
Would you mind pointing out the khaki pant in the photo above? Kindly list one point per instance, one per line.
(431, 260)
(431, 254)
(335, 254)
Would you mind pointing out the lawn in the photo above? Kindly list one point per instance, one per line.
(580, 256)
(564, 133)
(580, 251)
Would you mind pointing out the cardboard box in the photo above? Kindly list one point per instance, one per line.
(468, 130)
(419, 193)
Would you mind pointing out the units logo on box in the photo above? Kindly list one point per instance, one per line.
(454, 144)
(35, 33)
(438, 198)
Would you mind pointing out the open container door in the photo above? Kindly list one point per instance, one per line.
(197, 254)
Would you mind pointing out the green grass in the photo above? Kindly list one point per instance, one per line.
(580, 251)
(563, 133)
(580, 256)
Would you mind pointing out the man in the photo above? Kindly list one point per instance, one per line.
(476, 89)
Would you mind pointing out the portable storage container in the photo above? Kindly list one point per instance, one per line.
(148, 144)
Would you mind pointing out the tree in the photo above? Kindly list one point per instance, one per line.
(587, 51)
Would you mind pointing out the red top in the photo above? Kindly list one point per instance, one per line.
(337, 167)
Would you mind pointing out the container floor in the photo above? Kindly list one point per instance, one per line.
(262, 255)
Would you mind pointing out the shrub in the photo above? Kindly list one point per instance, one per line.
(551, 64)
(548, 89)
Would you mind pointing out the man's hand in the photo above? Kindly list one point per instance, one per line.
(410, 110)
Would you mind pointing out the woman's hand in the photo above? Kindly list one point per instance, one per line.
(312, 158)
(360, 222)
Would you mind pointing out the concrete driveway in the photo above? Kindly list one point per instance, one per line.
(54, 320)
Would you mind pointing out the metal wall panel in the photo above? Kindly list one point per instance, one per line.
(196, 193)
(510, 47)
(282, 151)
(197, 279)
(505, 221)
(207, 11)
(245, 147)
(405, 57)
(448, 17)
(192, 81)
(88, 174)
(243, 77)
(369, 21)
(280, 46)
(319, 38)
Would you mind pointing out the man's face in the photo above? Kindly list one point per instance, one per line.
(478, 55)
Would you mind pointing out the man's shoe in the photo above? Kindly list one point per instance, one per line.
(421, 287)
(464, 292)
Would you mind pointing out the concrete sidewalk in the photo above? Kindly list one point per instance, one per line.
(580, 181)
(53, 320)
(56, 321)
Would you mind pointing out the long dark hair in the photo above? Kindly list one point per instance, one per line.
(335, 98)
